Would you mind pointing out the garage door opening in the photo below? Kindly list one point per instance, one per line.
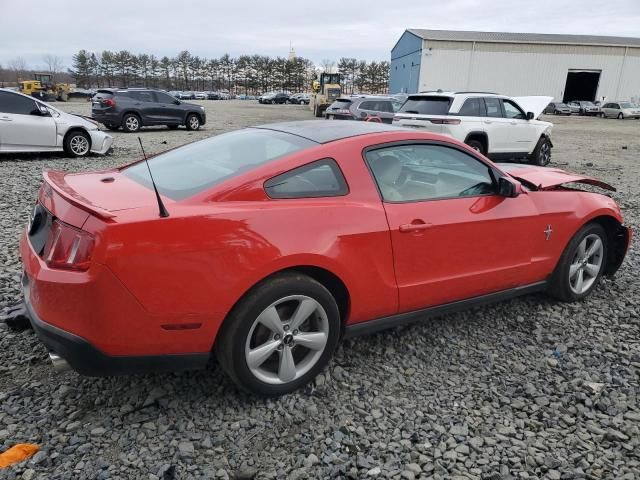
(581, 85)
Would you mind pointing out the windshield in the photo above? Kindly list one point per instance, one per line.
(625, 105)
(189, 170)
(426, 105)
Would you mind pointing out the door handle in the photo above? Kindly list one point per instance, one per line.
(137, 104)
(487, 122)
(514, 123)
(415, 226)
(6, 119)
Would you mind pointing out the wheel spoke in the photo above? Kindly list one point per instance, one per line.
(582, 248)
(304, 310)
(287, 369)
(313, 341)
(270, 319)
(573, 269)
(594, 248)
(259, 355)
(579, 281)
(592, 269)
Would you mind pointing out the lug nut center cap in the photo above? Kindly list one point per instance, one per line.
(288, 340)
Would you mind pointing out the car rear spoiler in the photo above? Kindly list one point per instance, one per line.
(55, 180)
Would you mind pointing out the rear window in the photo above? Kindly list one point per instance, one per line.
(340, 103)
(104, 94)
(427, 105)
(192, 169)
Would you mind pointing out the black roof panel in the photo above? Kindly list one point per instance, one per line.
(325, 131)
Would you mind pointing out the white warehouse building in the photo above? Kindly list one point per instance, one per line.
(567, 67)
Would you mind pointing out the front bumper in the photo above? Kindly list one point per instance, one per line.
(101, 142)
(86, 359)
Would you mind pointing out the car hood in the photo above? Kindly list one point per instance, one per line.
(546, 178)
(535, 104)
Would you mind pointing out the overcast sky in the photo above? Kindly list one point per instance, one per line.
(365, 29)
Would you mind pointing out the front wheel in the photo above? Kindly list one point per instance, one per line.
(581, 265)
(541, 155)
(77, 144)
(279, 336)
(193, 122)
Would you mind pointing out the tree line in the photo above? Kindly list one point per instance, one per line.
(246, 74)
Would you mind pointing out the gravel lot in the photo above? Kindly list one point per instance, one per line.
(529, 388)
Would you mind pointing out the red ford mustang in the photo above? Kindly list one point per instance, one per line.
(266, 245)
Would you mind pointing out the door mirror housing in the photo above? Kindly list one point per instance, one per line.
(177, 102)
(507, 188)
(41, 110)
(530, 116)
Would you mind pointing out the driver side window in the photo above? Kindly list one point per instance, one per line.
(511, 110)
(414, 173)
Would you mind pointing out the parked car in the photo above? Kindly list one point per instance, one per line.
(134, 108)
(300, 98)
(174, 94)
(363, 108)
(557, 108)
(584, 107)
(214, 96)
(620, 110)
(29, 125)
(200, 95)
(186, 96)
(274, 97)
(497, 126)
(418, 225)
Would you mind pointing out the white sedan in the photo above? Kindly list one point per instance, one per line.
(29, 125)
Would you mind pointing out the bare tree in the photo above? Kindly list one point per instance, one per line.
(327, 65)
(53, 63)
(18, 66)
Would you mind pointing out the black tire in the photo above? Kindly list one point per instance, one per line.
(233, 335)
(541, 155)
(193, 122)
(477, 145)
(172, 127)
(77, 143)
(113, 127)
(131, 123)
(560, 286)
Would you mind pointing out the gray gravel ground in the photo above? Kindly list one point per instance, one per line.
(529, 388)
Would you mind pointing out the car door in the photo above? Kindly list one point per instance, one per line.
(453, 237)
(22, 126)
(522, 135)
(496, 126)
(144, 103)
(166, 110)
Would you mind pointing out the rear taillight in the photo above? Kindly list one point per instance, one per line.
(68, 248)
(109, 102)
(445, 121)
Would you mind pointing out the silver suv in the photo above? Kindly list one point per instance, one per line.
(368, 108)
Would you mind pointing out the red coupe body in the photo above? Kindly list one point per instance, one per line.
(133, 291)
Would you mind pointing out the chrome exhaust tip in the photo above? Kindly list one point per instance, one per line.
(59, 364)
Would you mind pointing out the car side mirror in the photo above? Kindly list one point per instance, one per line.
(507, 188)
(177, 102)
(41, 110)
(530, 116)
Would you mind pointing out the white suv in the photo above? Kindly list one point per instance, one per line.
(497, 126)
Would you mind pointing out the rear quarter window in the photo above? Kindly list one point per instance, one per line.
(322, 178)
(427, 105)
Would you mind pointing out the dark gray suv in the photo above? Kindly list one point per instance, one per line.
(132, 108)
(369, 108)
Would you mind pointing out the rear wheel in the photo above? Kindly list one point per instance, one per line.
(193, 122)
(581, 265)
(477, 145)
(77, 143)
(280, 335)
(541, 155)
(131, 123)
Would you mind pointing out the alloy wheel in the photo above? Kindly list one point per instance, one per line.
(132, 123)
(194, 123)
(586, 264)
(545, 154)
(79, 145)
(287, 339)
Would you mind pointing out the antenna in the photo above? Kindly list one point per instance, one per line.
(163, 210)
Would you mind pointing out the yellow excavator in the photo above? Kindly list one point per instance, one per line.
(325, 92)
(43, 87)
